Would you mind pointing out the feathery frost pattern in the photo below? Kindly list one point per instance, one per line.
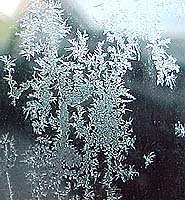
(78, 103)
(7, 160)
(143, 21)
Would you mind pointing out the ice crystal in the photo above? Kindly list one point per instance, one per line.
(78, 103)
(42, 27)
(7, 160)
(143, 21)
(149, 159)
(179, 129)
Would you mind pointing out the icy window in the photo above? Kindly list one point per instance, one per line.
(92, 99)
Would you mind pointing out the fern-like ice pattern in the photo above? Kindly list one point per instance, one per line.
(78, 103)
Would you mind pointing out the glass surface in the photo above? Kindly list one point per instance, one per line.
(92, 99)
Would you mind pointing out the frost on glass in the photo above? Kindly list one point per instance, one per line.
(179, 129)
(143, 21)
(7, 161)
(78, 103)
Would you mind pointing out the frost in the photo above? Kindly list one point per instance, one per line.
(42, 28)
(179, 129)
(149, 159)
(78, 103)
(165, 64)
(143, 21)
(81, 98)
(15, 90)
(7, 160)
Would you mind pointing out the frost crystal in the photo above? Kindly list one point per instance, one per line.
(7, 160)
(143, 21)
(77, 102)
(149, 159)
(179, 130)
